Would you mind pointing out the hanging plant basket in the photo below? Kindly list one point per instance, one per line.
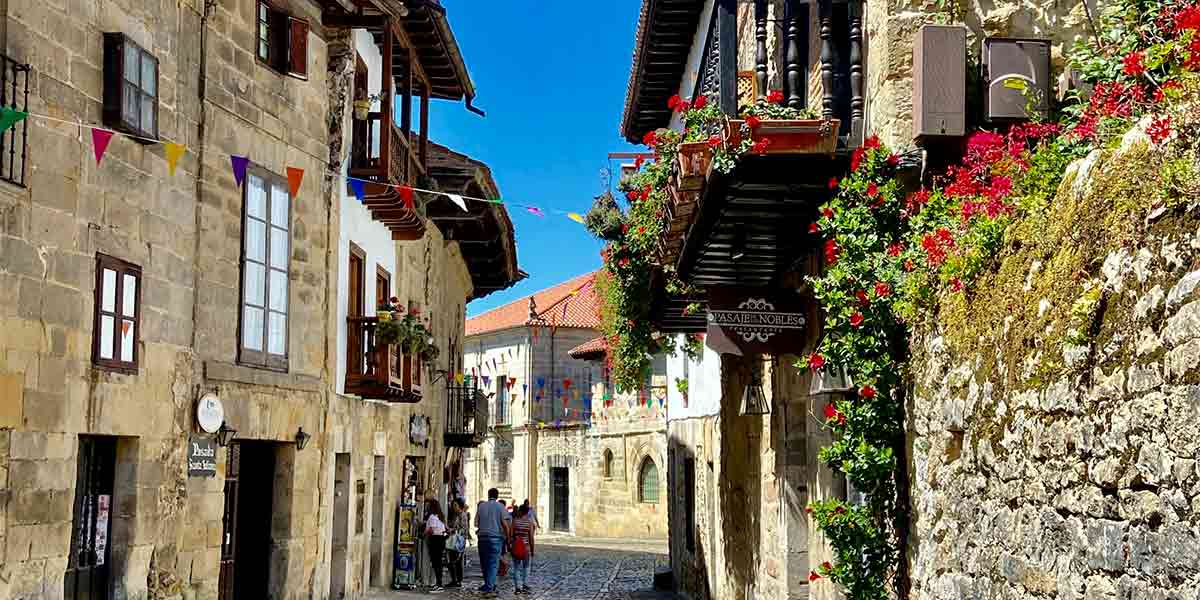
(362, 109)
(792, 136)
(694, 160)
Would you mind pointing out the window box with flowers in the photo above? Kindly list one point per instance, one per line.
(770, 127)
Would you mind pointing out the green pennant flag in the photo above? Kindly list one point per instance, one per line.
(10, 117)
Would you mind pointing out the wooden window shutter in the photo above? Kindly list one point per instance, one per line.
(298, 47)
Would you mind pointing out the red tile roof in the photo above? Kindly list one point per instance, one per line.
(594, 348)
(569, 304)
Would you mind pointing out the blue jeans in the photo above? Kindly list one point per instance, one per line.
(520, 571)
(489, 559)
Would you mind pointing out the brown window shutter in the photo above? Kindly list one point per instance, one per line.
(298, 48)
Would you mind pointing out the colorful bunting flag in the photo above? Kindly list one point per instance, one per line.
(359, 187)
(100, 140)
(173, 153)
(487, 381)
(406, 194)
(10, 117)
(458, 200)
(575, 217)
(512, 381)
(295, 177)
(239, 164)
(566, 383)
(535, 210)
(125, 327)
(458, 378)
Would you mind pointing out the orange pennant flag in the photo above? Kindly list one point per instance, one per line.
(295, 176)
(173, 153)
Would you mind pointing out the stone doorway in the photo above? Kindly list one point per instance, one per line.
(560, 498)
(90, 563)
(249, 499)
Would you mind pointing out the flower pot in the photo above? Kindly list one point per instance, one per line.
(383, 315)
(694, 160)
(362, 109)
(793, 136)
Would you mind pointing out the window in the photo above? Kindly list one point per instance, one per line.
(689, 499)
(130, 87)
(282, 41)
(266, 243)
(118, 312)
(648, 482)
(608, 463)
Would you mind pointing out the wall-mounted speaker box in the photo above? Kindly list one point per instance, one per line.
(1011, 66)
(940, 81)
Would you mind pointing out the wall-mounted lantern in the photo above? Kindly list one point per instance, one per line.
(301, 439)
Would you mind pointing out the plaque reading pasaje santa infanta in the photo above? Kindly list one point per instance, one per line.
(746, 320)
(201, 457)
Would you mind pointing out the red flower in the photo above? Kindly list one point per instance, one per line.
(812, 228)
(775, 97)
(812, 576)
(867, 392)
(713, 140)
(760, 146)
(872, 143)
(1159, 130)
(956, 284)
(753, 122)
(893, 160)
(831, 252)
(908, 265)
(700, 102)
(944, 236)
(650, 139)
(861, 296)
(625, 228)
(856, 320)
(683, 106)
(1160, 94)
(895, 250)
(856, 159)
(641, 230)
(872, 189)
(816, 361)
(833, 183)
(827, 212)
(839, 510)
(808, 509)
(1133, 64)
(831, 412)
(825, 566)
(631, 195)
(882, 290)
(624, 262)
(673, 101)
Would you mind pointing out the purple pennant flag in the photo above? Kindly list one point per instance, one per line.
(359, 188)
(239, 168)
(535, 210)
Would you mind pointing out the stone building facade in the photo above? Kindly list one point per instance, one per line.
(130, 291)
(555, 418)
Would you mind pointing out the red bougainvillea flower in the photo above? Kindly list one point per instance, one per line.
(760, 146)
(831, 252)
(812, 576)
(833, 183)
(882, 289)
(1159, 130)
(753, 122)
(856, 320)
(827, 212)
(956, 284)
(713, 140)
(812, 228)
(673, 101)
(1134, 67)
(872, 189)
(775, 97)
(700, 102)
(816, 361)
(867, 392)
(895, 250)
(650, 139)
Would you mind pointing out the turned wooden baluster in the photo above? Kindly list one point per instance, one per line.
(825, 8)
(795, 52)
(727, 45)
(857, 97)
(760, 47)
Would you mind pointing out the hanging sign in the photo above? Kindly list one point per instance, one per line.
(201, 457)
(210, 414)
(418, 430)
(756, 321)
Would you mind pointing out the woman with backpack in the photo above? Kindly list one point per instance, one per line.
(456, 545)
(435, 537)
(522, 549)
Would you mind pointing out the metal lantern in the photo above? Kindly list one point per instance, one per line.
(830, 380)
(754, 400)
(301, 439)
(225, 434)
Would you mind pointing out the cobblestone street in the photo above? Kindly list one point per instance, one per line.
(571, 569)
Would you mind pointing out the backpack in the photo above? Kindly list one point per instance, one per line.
(520, 549)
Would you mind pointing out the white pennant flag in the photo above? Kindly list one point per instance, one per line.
(455, 198)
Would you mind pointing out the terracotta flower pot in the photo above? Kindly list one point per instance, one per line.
(799, 136)
(694, 160)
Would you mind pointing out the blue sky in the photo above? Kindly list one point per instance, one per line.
(551, 75)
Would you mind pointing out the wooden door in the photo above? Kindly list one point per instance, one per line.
(88, 566)
(355, 346)
(383, 285)
(560, 480)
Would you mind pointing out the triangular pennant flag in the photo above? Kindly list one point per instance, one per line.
(10, 117)
(100, 140)
(358, 186)
(535, 210)
(239, 168)
(173, 152)
(295, 177)
(458, 201)
(125, 327)
(575, 217)
(406, 195)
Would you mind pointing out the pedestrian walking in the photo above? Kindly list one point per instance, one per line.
(533, 515)
(435, 538)
(492, 528)
(522, 549)
(456, 543)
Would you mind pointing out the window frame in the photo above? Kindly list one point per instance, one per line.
(116, 85)
(642, 479)
(607, 460)
(280, 25)
(263, 358)
(121, 268)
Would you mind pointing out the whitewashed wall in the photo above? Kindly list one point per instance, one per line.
(704, 385)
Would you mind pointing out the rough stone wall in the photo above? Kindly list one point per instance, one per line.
(1053, 442)
(610, 505)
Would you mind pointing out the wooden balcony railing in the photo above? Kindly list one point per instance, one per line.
(389, 159)
(379, 371)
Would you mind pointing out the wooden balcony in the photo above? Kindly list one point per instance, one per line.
(466, 416)
(379, 371)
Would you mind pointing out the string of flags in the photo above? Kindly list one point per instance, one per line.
(173, 152)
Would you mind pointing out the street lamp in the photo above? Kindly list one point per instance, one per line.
(225, 434)
(301, 439)
(754, 400)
